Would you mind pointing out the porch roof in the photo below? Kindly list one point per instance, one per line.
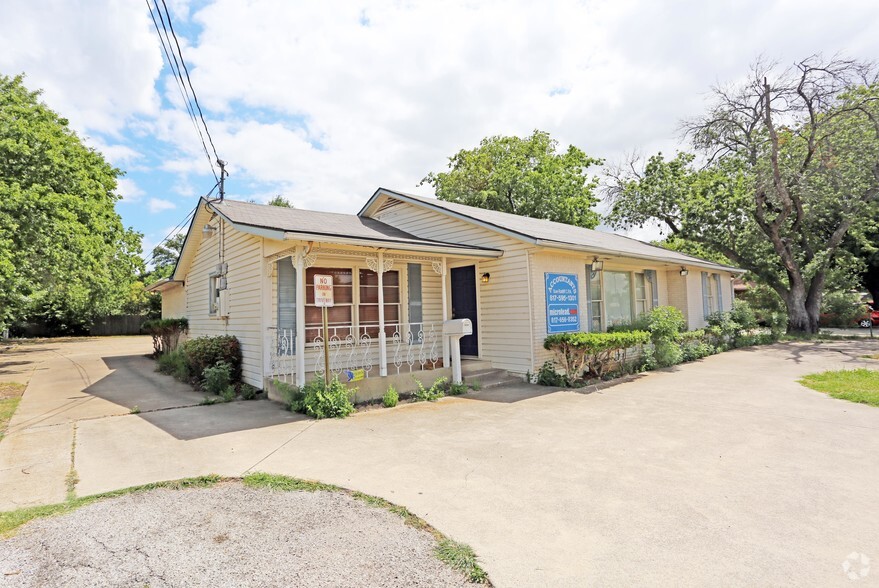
(295, 223)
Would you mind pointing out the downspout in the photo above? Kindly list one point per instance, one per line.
(382, 338)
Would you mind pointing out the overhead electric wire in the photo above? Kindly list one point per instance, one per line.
(186, 70)
(171, 57)
(179, 226)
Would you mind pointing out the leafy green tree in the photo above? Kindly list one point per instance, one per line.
(65, 257)
(164, 257)
(525, 176)
(280, 201)
(790, 168)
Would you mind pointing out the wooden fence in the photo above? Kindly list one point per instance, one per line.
(123, 324)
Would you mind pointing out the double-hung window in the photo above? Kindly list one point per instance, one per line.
(367, 307)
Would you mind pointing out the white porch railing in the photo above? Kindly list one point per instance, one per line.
(410, 347)
(282, 354)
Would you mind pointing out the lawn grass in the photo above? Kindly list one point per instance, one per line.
(457, 555)
(10, 396)
(13, 519)
(859, 385)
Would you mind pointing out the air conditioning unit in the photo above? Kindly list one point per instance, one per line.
(223, 303)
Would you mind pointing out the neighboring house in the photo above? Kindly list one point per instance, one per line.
(404, 264)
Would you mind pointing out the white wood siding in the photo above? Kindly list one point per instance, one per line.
(504, 304)
(242, 253)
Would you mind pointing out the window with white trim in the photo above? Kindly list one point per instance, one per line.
(643, 298)
(617, 297)
(597, 298)
(213, 294)
(367, 304)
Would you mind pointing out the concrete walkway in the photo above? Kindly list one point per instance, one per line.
(724, 471)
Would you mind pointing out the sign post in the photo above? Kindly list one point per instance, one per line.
(323, 298)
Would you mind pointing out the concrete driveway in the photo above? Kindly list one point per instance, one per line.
(724, 471)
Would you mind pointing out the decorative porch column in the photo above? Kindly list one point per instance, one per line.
(382, 338)
(300, 315)
(446, 349)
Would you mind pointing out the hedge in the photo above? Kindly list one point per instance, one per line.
(593, 352)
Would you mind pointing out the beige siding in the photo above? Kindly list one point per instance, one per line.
(243, 254)
(174, 302)
(677, 292)
(503, 321)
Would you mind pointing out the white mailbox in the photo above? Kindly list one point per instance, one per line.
(454, 330)
(458, 327)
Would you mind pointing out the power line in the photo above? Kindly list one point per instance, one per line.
(178, 78)
(179, 226)
(186, 70)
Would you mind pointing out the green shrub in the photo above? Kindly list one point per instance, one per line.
(228, 395)
(548, 376)
(165, 333)
(174, 364)
(324, 402)
(457, 389)
(203, 352)
(247, 391)
(665, 323)
(391, 398)
(592, 352)
(435, 392)
(743, 315)
(641, 323)
(292, 396)
(217, 379)
(841, 309)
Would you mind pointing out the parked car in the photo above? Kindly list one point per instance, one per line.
(871, 319)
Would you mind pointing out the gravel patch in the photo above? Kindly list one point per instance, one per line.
(227, 535)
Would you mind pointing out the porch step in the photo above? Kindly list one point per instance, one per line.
(491, 378)
(470, 366)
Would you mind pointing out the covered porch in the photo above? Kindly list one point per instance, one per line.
(389, 308)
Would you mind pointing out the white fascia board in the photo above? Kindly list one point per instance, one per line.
(426, 248)
(678, 262)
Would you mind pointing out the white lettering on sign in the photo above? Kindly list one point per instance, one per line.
(323, 290)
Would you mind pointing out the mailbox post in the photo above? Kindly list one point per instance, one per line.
(454, 330)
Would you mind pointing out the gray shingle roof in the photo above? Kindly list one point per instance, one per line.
(323, 224)
(549, 233)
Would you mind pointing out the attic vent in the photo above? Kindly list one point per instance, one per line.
(389, 203)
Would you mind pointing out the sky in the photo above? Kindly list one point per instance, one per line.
(323, 102)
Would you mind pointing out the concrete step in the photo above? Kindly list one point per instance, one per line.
(491, 378)
(469, 366)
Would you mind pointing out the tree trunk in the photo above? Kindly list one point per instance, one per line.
(802, 316)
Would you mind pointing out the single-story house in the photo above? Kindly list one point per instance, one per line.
(403, 265)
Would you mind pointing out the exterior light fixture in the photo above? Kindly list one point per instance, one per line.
(208, 231)
(597, 264)
(684, 271)
(486, 277)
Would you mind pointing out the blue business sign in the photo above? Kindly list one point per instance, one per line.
(562, 303)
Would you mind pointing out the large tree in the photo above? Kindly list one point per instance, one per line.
(65, 257)
(522, 175)
(789, 166)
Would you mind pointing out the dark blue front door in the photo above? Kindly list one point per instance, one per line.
(464, 304)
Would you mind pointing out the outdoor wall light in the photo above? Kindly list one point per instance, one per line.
(685, 271)
(208, 231)
(486, 277)
(597, 264)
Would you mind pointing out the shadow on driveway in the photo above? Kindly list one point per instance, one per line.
(175, 407)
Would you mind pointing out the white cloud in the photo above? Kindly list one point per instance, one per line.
(324, 102)
(156, 205)
(97, 61)
(129, 190)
